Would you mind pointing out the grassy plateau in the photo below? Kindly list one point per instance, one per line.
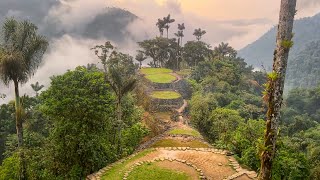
(165, 95)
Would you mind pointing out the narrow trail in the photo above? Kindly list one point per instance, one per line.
(180, 148)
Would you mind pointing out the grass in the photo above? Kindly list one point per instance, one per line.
(178, 143)
(151, 171)
(165, 95)
(149, 71)
(161, 78)
(117, 171)
(190, 132)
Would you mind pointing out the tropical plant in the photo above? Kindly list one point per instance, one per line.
(224, 50)
(140, 57)
(161, 25)
(195, 52)
(104, 53)
(180, 34)
(37, 87)
(198, 33)
(121, 77)
(21, 54)
(167, 21)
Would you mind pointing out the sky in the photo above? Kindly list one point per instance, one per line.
(238, 22)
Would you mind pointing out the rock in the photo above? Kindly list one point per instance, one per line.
(219, 164)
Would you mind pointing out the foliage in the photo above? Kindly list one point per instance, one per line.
(10, 168)
(163, 51)
(196, 52)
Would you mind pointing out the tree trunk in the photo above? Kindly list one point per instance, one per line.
(276, 84)
(18, 108)
(140, 64)
(167, 33)
(119, 113)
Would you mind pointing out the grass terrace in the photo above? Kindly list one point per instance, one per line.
(152, 171)
(190, 132)
(165, 95)
(161, 78)
(117, 171)
(180, 143)
(150, 71)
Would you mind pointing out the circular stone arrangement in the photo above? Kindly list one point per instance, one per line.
(127, 173)
(165, 95)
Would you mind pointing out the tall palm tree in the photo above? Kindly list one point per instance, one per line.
(181, 28)
(167, 20)
(274, 89)
(161, 25)
(22, 50)
(199, 33)
(37, 87)
(140, 57)
(121, 77)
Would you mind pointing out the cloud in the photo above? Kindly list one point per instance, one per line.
(304, 4)
(247, 22)
(174, 6)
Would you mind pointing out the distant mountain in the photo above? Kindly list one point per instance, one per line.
(304, 58)
(261, 51)
(111, 23)
(304, 67)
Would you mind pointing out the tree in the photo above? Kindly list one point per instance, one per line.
(199, 33)
(37, 87)
(160, 24)
(224, 50)
(22, 50)
(195, 52)
(79, 105)
(274, 87)
(167, 21)
(163, 51)
(140, 57)
(106, 52)
(121, 77)
(180, 34)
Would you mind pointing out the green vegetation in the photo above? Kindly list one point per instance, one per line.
(165, 94)
(161, 78)
(179, 143)
(190, 132)
(117, 171)
(184, 72)
(150, 71)
(152, 171)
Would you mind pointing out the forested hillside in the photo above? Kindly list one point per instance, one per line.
(305, 49)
